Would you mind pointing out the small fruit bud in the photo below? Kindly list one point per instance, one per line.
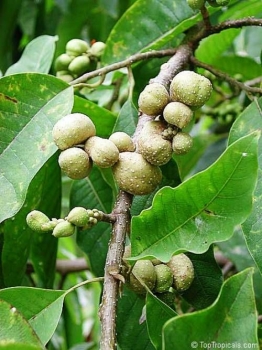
(103, 152)
(178, 114)
(145, 271)
(65, 76)
(73, 129)
(183, 271)
(196, 4)
(62, 62)
(182, 143)
(190, 88)
(79, 65)
(153, 147)
(153, 99)
(135, 175)
(164, 278)
(78, 216)
(97, 49)
(76, 47)
(64, 229)
(122, 141)
(36, 219)
(75, 163)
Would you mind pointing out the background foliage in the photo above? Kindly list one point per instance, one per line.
(215, 190)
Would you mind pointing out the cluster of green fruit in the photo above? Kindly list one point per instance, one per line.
(78, 59)
(177, 274)
(77, 217)
(198, 4)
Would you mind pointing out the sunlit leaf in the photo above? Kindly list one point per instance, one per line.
(203, 209)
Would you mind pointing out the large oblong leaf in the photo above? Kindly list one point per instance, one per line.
(230, 322)
(203, 209)
(30, 104)
(37, 56)
(159, 22)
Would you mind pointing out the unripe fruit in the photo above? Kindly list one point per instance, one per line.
(78, 216)
(153, 147)
(72, 130)
(75, 163)
(153, 99)
(103, 152)
(64, 229)
(62, 62)
(190, 88)
(183, 271)
(123, 141)
(76, 47)
(182, 143)
(164, 278)
(178, 114)
(145, 271)
(65, 76)
(79, 65)
(97, 49)
(135, 175)
(196, 4)
(36, 219)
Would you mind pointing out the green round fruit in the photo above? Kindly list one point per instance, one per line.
(178, 114)
(182, 270)
(123, 141)
(64, 229)
(79, 65)
(76, 47)
(190, 88)
(153, 99)
(135, 175)
(65, 76)
(196, 4)
(75, 163)
(103, 152)
(97, 49)
(164, 278)
(153, 147)
(72, 130)
(62, 62)
(182, 143)
(78, 216)
(145, 271)
(36, 219)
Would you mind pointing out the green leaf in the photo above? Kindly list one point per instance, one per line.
(249, 121)
(93, 192)
(103, 119)
(41, 307)
(157, 314)
(127, 118)
(203, 209)
(30, 104)
(158, 23)
(207, 281)
(37, 56)
(19, 238)
(221, 323)
(43, 247)
(14, 328)
(131, 332)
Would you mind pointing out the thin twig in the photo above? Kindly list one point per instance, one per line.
(122, 64)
